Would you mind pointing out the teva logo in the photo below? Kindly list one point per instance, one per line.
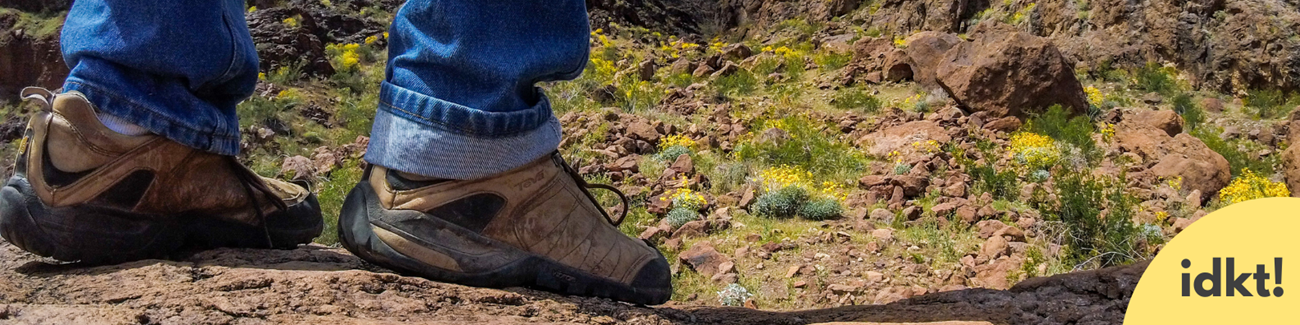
(529, 182)
(1233, 283)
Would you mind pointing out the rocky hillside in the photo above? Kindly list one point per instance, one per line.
(1010, 162)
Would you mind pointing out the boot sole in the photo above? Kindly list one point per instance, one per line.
(498, 265)
(98, 235)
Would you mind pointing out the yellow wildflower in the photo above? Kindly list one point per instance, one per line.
(291, 22)
(1095, 96)
(372, 39)
(1033, 150)
(1250, 186)
(676, 140)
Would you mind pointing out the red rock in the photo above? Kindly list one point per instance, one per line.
(704, 259)
(1005, 124)
(988, 227)
(1030, 71)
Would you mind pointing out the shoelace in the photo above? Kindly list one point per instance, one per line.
(252, 183)
(585, 190)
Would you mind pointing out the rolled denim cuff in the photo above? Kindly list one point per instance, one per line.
(453, 118)
(218, 135)
(423, 135)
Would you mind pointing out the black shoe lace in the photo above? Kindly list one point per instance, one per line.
(252, 183)
(582, 183)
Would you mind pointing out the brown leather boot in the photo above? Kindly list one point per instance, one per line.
(82, 192)
(534, 226)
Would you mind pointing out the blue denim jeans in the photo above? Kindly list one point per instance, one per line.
(459, 99)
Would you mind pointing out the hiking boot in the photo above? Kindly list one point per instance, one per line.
(534, 226)
(82, 192)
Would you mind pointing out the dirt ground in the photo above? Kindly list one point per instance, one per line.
(316, 284)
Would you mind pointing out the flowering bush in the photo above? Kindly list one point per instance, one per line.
(1094, 96)
(1250, 186)
(1034, 151)
(686, 198)
(777, 178)
(680, 216)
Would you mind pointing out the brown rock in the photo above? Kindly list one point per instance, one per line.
(897, 66)
(736, 52)
(681, 66)
(1007, 72)
(926, 50)
(646, 70)
(994, 247)
(988, 227)
(703, 258)
(683, 165)
(957, 189)
(1005, 124)
(1165, 120)
(967, 214)
(994, 275)
(1182, 155)
(697, 228)
(642, 130)
(912, 213)
(298, 168)
(1010, 233)
(1211, 104)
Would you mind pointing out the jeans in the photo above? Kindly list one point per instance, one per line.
(458, 99)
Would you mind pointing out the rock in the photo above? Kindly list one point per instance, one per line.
(697, 228)
(1291, 169)
(681, 66)
(841, 289)
(644, 131)
(1182, 155)
(1011, 234)
(967, 214)
(897, 66)
(875, 277)
(704, 70)
(747, 198)
(1211, 104)
(957, 189)
(883, 234)
(882, 215)
(925, 51)
(870, 181)
(1006, 124)
(800, 284)
(881, 143)
(994, 247)
(736, 52)
(912, 213)
(794, 270)
(279, 45)
(704, 259)
(646, 70)
(943, 209)
(912, 185)
(726, 70)
(683, 165)
(994, 275)
(1152, 98)
(653, 234)
(988, 227)
(1009, 73)
(1165, 120)
(298, 168)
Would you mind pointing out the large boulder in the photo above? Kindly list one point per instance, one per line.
(1181, 155)
(280, 45)
(926, 50)
(1007, 72)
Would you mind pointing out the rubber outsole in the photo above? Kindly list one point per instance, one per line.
(495, 264)
(97, 235)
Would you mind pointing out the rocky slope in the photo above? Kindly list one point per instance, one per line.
(314, 285)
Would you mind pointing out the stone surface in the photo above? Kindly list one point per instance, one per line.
(1009, 73)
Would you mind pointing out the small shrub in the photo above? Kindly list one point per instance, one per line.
(636, 95)
(782, 203)
(680, 216)
(1192, 115)
(734, 295)
(902, 169)
(1265, 103)
(832, 61)
(1250, 186)
(1155, 78)
(1239, 153)
(740, 83)
(856, 99)
(1034, 151)
(821, 209)
(1107, 239)
(808, 147)
(1057, 124)
(685, 198)
(728, 176)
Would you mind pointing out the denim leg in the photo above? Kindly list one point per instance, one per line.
(459, 98)
(176, 68)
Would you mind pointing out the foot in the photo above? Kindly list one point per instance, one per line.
(535, 226)
(82, 192)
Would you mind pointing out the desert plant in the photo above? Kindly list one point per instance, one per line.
(733, 295)
(1192, 114)
(680, 216)
(741, 82)
(1239, 153)
(806, 145)
(856, 99)
(1268, 103)
(783, 203)
(821, 209)
(1092, 236)
(1057, 124)
(1155, 78)
(831, 61)
(1250, 186)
